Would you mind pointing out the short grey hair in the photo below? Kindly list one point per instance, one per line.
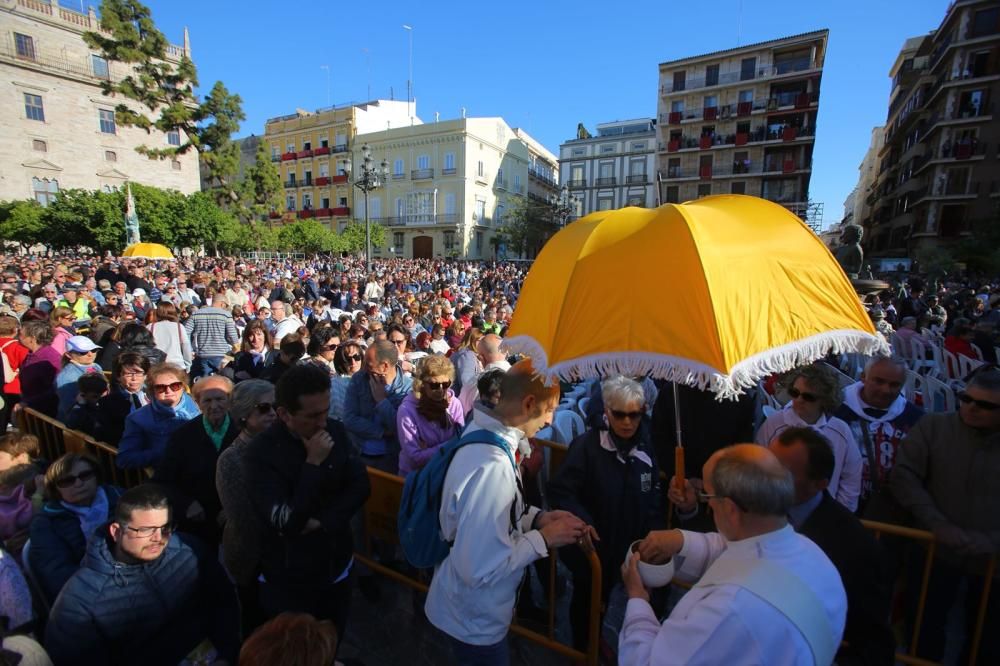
(893, 360)
(753, 487)
(23, 299)
(245, 398)
(620, 391)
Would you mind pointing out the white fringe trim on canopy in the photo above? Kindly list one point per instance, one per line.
(744, 374)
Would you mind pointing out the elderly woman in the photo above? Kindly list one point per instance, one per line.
(610, 479)
(39, 368)
(187, 469)
(815, 396)
(78, 504)
(147, 430)
(256, 353)
(346, 362)
(430, 416)
(252, 412)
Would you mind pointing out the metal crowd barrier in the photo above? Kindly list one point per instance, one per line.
(380, 514)
(56, 439)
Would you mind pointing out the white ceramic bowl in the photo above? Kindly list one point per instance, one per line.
(652, 575)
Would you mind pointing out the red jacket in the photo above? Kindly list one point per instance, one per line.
(15, 353)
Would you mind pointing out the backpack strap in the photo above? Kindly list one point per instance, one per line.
(784, 591)
(484, 436)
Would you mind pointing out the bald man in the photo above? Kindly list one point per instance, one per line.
(187, 469)
(765, 594)
(490, 357)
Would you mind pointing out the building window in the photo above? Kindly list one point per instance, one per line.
(710, 101)
(738, 187)
(307, 145)
(748, 67)
(275, 154)
(637, 200)
(712, 75)
(746, 95)
(175, 165)
(579, 152)
(704, 189)
(45, 190)
(480, 169)
(307, 201)
(605, 202)
(480, 214)
(677, 106)
(397, 168)
(673, 194)
(25, 46)
(500, 180)
(636, 147)
(498, 215)
(174, 137)
(324, 142)
(983, 22)
(39, 145)
(423, 162)
(608, 148)
(342, 202)
(33, 109)
(290, 202)
(110, 156)
(479, 242)
(107, 119)
(449, 240)
(100, 67)
(449, 161)
(324, 170)
(680, 79)
(290, 148)
(517, 182)
(397, 241)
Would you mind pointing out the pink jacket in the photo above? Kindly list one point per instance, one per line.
(419, 439)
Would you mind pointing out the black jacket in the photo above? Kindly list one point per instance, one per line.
(187, 472)
(862, 567)
(621, 498)
(287, 492)
(243, 363)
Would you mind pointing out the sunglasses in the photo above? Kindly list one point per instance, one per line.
(808, 397)
(172, 387)
(438, 386)
(70, 480)
(621, 416)
(354, 357)
(967, 399)
(264, 407)
(398, 342)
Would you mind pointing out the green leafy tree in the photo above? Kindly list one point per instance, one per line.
(164, 91)
(161, 214)
(530, 224)
(261, 188)
(86, 218)
(204, 222)
(22, 222)
(353, 236)
(308, 236)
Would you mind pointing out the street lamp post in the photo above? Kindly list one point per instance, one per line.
(563, 205)
(370, 178)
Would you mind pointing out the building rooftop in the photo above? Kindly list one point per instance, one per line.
(805, 36)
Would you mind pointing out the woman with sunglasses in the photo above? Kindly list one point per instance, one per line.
(322, 347)
(147, 430)
(346, 361)
(252, 410)
(815, 396)
(61, 318)
(77, 504)
(610, 480)
(430, 415)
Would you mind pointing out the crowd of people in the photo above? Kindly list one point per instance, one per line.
(252, 396)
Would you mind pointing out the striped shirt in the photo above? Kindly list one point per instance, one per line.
(212, 332)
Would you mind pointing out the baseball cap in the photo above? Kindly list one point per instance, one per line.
(138, 291)
(81, 344)
(72, 286)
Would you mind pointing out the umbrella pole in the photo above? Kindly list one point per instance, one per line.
(679, 449)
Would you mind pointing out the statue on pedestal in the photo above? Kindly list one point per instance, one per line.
(849, 255)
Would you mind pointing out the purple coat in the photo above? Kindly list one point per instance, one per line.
(419, 439)
(38, 377)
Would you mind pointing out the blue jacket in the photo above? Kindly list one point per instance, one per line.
(58, 544)
(148, 430)
(66, 387)
(150, 613)
(367, 422)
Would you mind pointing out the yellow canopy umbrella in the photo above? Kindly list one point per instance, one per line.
(148, 251)
(715, 293)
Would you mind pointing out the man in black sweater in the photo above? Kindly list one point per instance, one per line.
(857, 556)
(307, 483)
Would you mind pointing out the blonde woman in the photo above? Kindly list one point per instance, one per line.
(430, 416)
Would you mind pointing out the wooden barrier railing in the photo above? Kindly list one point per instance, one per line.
(56, 439)
(380, 513)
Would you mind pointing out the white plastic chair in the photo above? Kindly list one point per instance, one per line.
(967, 365)
(938, 396)
(567, 426)
(977, 351)
(952, 369)
(913, 385)
(582, 405)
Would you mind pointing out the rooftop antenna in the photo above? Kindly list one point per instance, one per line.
(327, 68)
(409, 81)
(368, 66)
(739, 24)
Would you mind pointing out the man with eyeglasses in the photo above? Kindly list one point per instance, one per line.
(946, 476)
(764, 593)
(144, 593)
(284, 323)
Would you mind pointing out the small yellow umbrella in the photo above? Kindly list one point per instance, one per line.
(148, 251)
(715, 293)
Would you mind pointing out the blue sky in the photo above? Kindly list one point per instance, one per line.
(543, 65)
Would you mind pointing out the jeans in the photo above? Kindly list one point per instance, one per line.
(203, 366)
(467, 654)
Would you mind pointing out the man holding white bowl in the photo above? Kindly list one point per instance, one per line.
(764, 594)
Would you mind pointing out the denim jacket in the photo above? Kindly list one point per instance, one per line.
(367, 422)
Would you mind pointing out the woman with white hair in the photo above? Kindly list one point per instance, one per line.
(610, 480)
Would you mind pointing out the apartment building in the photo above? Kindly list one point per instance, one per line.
(612, 169)
(451, 184)
(938, 165)
(310, 148)
(59, 130)
(742, 121)
(543, 168)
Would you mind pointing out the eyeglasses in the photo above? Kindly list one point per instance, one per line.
(967, 399)
(331, 347)
(133, 373)
(808, 397)
(264, 407)
(439, 386)
(354, 357)
(398, 341)
(703, 497)
(146, 532)
(70, 480)
(172, 387)
(621, 416)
